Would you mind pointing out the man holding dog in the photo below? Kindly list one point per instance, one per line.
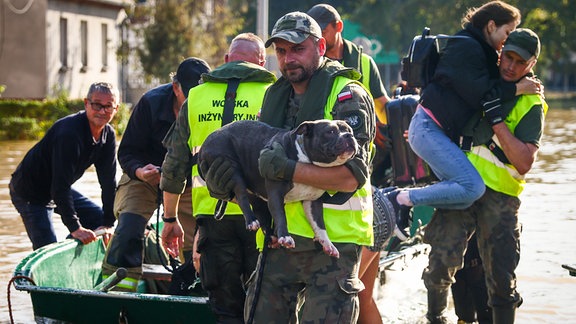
(311, 87)
(230, 92)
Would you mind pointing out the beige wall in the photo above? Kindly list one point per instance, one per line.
(30, 65)
(23, 49)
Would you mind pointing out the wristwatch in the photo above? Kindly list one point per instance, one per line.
(169, 220)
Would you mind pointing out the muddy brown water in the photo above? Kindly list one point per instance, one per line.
(548, 215)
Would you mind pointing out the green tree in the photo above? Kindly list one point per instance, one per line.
(176, 29)
(396, 22)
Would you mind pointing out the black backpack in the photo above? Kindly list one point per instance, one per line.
(423, 55)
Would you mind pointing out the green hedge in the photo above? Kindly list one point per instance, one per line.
(30, 119)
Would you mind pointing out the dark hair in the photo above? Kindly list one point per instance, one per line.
(500, 12)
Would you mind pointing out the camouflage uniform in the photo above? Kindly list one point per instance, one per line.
(328, 285)
(494, 218)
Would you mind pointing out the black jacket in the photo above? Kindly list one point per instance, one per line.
(151, 119)
(467, 70)
(49, 169)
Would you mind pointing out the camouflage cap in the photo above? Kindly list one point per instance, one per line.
(295, 27)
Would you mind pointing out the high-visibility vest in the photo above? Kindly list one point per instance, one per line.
(350, 222)
(205, 108)
(497, 175)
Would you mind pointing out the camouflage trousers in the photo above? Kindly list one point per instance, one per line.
(494, 218)
(308, 283)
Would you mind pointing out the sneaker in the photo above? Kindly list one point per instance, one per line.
(401, 214)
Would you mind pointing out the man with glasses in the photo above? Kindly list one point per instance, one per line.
(42, 182)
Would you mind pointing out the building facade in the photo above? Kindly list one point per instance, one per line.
(53, 47)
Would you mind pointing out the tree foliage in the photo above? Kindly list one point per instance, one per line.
(176, 29)
(396, 22)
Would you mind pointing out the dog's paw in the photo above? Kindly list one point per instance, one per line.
(331, 250)
(253, 226)
(328, 247)
(287, 242)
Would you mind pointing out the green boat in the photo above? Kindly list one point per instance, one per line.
(65, 285)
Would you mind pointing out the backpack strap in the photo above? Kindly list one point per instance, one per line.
(230, 101)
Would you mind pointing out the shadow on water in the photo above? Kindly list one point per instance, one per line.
(548, 216)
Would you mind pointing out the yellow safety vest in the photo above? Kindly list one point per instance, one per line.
(497, 175)
(205, 108)
(350, 222)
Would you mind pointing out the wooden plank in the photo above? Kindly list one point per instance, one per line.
(155, 272)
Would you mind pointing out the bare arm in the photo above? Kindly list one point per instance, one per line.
(338, 178)
(172, 233)
(521, 155)
(380, 108)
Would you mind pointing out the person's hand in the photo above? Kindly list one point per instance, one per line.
(84, 235)
(149, 173)
(218, 177)
(492, 107)
(529, 85)
(105, 232)
(273, 163)
(172, 238)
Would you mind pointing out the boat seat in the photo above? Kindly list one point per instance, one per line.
(155, 272)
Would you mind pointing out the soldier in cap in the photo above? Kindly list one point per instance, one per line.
(503, 153)
(312, 87)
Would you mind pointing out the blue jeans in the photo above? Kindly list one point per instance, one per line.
(460, 184)
(37, 218)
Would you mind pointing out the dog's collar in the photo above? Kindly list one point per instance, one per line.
(302, 156)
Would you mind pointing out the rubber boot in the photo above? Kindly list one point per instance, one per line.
(126, 250)
(437, 304)
(503, 315)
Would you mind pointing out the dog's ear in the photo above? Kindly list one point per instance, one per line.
(304, 128)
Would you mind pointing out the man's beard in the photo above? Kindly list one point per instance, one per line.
(299, 73)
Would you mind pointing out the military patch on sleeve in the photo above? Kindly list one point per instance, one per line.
(354, 119)
(343, 96)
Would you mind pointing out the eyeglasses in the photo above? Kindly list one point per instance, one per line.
(98, 106)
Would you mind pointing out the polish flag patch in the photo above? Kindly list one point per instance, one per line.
(343, 96)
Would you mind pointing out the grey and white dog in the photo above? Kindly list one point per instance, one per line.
(324, 143)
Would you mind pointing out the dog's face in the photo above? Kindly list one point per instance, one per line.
(328, 142)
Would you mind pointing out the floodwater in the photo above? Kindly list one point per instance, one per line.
(548, 215)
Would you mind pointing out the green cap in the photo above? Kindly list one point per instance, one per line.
(524, 42)
(295, 27)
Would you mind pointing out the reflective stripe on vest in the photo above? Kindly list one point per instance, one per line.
(126, 283)
(499, 176)
(205, 108)
(350, 222)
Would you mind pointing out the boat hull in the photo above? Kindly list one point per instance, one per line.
(60, 279)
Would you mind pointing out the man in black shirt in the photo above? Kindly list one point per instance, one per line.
(42, 183)
(140, 155)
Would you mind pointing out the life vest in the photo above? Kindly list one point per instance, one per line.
(350, 222)
(205, 109)
(499, 175)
